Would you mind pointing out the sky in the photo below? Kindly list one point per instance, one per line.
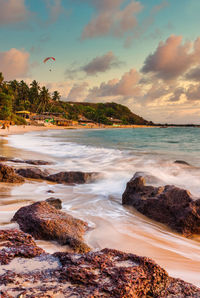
(144, 54)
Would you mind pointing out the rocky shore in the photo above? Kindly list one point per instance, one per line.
(170, 205)
(29, 271)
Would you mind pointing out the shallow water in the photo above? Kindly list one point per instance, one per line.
(117, 155)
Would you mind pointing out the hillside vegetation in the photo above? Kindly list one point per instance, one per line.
(18, 96)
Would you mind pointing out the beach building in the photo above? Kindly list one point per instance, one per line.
(84, 121)
(62, 122)
(115, 122)
(24, 114)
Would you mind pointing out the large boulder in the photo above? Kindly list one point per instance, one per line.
(170, 205)
(72, 177)
(32, 173)
(105, 273)
(7, 174)
(43, 221)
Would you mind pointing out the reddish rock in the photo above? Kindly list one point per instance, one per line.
(106, 273)
(72, 177)
(169, 205)
(14, 243)
(3, 158)
(55, 202)
(28, 161)
(7, 174)
(111, 273)
(32, 173)
(43, 221)
(38, 162)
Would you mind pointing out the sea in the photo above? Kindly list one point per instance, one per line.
(117, 154)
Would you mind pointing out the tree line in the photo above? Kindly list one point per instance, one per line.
(19, 96)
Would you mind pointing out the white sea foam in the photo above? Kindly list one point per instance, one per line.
(99, 203)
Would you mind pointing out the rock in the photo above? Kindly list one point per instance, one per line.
(28, 161)
(50, 191)
(149, 178)
(38, 162)
(45, 222)
(55, 202)
(169, 205)
(14, 243)
(105, 273)
(32, 173)
(111, 273)
(3, 158)
(72, 177)
(7, 174)
(182, 162)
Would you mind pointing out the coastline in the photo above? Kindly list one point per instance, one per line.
(20, 129)
(99, 236)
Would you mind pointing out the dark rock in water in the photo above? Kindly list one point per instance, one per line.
(14, 243)
(72, 177)
(32, 173)
(38, 162)
(106, 273)
(182, 162)
(169, 205)
(55, 202)
(50, 191)
(7, 174)
(3, 158)
(43, 221)
(149, 178)
(28, 161)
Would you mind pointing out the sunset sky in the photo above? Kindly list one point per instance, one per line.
(144, 54)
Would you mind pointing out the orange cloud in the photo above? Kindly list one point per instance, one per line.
(14, 63)
(111, 19)
(12, 11)
(172, 58)
(127, 86)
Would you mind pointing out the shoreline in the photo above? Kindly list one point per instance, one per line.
(21, 129)
(98, 238)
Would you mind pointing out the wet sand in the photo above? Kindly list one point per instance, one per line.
(125, 229)
(21, 129)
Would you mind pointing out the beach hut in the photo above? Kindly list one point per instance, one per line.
(24, 114)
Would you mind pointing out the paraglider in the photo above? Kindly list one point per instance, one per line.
(49, 58)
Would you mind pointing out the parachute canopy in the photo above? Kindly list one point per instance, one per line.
(49, 58)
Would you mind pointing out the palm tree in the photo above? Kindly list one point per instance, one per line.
(1, 78)
(44, 100)
(56, 96)
(34, 92)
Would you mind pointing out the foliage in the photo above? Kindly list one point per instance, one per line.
(18, 96)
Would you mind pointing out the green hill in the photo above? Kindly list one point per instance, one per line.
(18, 96)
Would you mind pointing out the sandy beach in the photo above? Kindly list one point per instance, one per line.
(20, 129)
(99, 203)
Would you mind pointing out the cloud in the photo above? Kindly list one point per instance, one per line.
(193, 92)
(193, 74)
(125, 87)
(172, 58)
(78, 92)
(111, 18)
(14, 63)
(97, 65)
(144, 26)
(101, 64)
(13, 11)
(176, 95)
(55, 9)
